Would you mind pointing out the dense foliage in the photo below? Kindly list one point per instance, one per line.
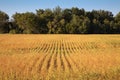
(61, 21)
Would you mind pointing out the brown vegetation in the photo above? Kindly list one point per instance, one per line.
(82, 57)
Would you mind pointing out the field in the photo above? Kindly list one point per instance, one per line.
(59, 57)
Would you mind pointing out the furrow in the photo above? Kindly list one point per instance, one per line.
(62, 62)
(33, 63)
(46, 62)
(42, 62)
(65, 61)
(73, 66)
(59, 62)
(27, 62)
(65, 55)
(52, 65)
(61, 57)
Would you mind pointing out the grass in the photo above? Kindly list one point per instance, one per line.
(59, 57)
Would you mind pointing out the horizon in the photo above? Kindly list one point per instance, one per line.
(22, 6)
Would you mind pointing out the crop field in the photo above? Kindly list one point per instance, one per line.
(59, 57)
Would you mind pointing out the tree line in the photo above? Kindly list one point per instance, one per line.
(61, 21)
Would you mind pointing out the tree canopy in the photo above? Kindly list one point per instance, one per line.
(61, 21)
(4, 22)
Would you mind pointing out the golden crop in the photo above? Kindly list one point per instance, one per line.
(59, 57)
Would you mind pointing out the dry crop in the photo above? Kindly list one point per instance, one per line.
(59, 57)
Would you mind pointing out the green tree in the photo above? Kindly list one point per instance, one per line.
(57, 20)
(75, 11)
(67, 15)
(44, 17)
(28, 22)
(78, 25)
(4, 24)
(105, 28)
(116, 26)
(56, 26)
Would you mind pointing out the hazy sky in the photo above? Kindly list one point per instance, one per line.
(12, 6)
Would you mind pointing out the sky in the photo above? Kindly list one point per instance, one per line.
(13, 6)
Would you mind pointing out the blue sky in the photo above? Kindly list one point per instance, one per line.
(12, 6)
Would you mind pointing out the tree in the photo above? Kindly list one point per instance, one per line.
(67, 15)
(4, 24)
(75, 11)
(57, 21)
(85, 25)
(14, 28)
(56, 26)
(28, 22)
(73, 25)
(96, 26)
(117, 23)
(44, 17)
(57, 11)
(3, 17)
(78, 25)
